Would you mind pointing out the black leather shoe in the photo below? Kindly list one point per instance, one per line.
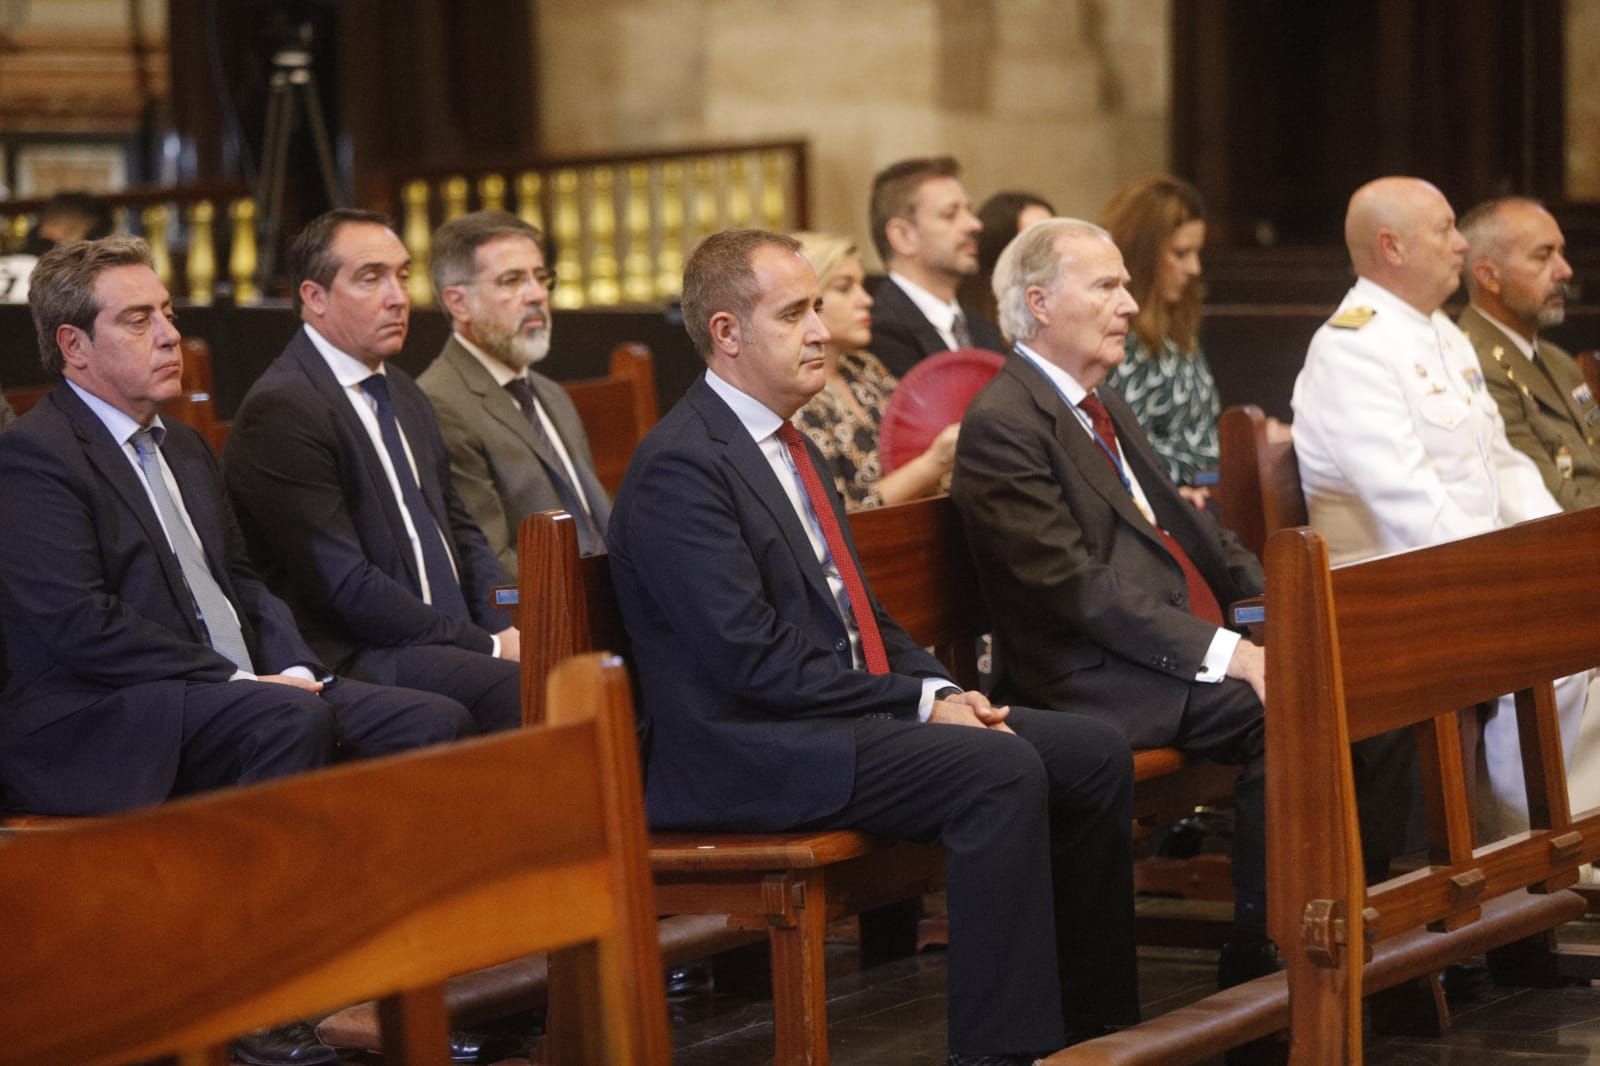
(1241, 962)
(469, 1046)
(295, 1044)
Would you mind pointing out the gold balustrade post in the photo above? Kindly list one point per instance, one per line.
(603, 287)
(492, 192)
(242, 256)
(418, 236)
(704, 187)
(200, 268)
(740, 211)
(528, 207)
(568, 231)
(638, 269)
(16, 233)
(669, 262)
(455, 193)
(154, 219)
(774, 194)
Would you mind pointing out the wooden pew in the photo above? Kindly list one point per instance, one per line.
(915, 558)
(1259, 492)
(1589, 363)
(1389, 643)
(617, 410)
(195, 921)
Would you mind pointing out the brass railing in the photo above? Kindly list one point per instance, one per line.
(620, 225)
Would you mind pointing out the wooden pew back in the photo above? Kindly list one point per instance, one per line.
(617, 410)
(1404, 641)
(1259, 492)
(193, 922)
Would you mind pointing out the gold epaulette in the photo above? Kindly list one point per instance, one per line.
(1352, 318)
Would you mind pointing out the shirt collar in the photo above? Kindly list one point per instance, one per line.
(119, 424)
(1512, 335)
(941, 313)
(1368, 291)
(759, 420)
(503, 375)
(348, 371)
(1065, 383)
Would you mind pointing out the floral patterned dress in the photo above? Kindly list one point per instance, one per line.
(849, 441)
(1175, 400)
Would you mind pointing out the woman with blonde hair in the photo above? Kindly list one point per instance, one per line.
(1159, 225)
(842, 420)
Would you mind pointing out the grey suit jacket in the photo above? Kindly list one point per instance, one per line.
(502, 470)
(1543, 414)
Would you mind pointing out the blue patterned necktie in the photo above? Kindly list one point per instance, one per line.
(217, 617)
(443, 588)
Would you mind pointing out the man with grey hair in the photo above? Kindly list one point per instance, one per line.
(778, 694)
(1105, 586)
(1518, 278)
(516, 444)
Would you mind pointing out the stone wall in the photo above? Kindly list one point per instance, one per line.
(1582, 30)
(1067, 98)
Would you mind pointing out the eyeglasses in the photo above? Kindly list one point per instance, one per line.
(514, 281)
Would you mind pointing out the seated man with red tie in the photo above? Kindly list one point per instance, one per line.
(777, 694)
(1105, 586)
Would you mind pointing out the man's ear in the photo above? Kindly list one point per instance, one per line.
(1391, 249)
(314, 297)
(725, 333)
(902, 235)
(74, 345)
(454, 299)
(1486, 274)
(1038, 303)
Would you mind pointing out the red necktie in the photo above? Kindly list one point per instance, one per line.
(1202, 601)
(854, 587)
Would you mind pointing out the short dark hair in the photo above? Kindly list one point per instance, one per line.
(456, 243)
(718, 277)
(310, 253)
(894, 193)
(61, 288)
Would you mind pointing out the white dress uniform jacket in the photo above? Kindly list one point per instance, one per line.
(1401, 446)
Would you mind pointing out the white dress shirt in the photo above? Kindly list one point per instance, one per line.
(940, 313)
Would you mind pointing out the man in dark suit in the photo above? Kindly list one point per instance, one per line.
(145, 657)
(778, 695)
(516, 444)
(1105, 585)
(342, 484)
(927, 236)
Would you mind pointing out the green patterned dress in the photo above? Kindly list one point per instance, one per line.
(1176, 402)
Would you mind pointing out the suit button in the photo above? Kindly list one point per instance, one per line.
(841, 644)
(1176, 599)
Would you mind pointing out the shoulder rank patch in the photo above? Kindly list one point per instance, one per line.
(1352, 318)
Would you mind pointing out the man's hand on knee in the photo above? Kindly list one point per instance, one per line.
(970, 708)
(1249, 663)
(292, 682)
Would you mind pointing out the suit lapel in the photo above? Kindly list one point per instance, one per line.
(744, 455)
(1520, 370)
(1085, 454)
(304, 355)
(593, 491)
(498, 403)
(113, 465)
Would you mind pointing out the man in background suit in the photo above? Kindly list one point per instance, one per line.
(778, 695)
(516, 445)
(342, 484)
(927, 236)
(1104, 584)
(1518, 278)
(145, 657)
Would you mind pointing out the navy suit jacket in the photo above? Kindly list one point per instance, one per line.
(1090, 609)
(902, 335)
(324, 525)
(748, 694)
(93, 601)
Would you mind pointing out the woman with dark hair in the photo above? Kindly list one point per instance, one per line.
(1004, 215)
(1159, 224)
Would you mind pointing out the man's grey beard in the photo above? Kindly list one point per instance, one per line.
(520, 351)
(1552, 315)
